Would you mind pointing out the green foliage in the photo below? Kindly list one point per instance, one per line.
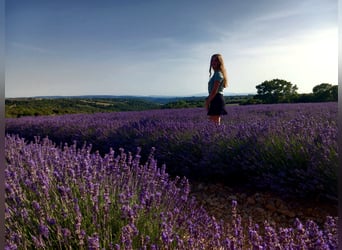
(276, 91)
(191, 102)
(15, 108)
(281, 91)
(198, 102)
(325, 92)
(251, 101)
(59, 106)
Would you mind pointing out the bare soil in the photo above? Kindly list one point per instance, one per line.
(260, 206)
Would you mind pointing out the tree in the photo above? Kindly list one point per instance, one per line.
(334, 93)
(325, 92)
(276, 91)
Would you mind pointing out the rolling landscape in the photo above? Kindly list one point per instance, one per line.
(146, 173)
(108, 144)
(59, 105)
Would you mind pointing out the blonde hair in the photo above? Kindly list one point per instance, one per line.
(222, 68)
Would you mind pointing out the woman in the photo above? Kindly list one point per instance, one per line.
(215, 103)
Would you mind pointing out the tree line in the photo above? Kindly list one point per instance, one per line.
(18, 107)
(281, 91)
(273, 91)
(269, 92)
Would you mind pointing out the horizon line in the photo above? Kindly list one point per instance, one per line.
(141, 96)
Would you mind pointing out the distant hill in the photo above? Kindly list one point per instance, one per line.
(59, 105)
(154, 99)
(225, 94)
(37, 106)
(160, 99)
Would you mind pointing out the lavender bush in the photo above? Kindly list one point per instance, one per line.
(69, 198)
(287, 148)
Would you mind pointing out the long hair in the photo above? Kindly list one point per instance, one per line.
(222, 68)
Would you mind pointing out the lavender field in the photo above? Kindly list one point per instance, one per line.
(82, 187)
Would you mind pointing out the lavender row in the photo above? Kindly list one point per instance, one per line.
(70, 198)
(288, 148)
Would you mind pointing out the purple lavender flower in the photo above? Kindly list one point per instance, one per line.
(51, 221)
(44, 230)
(66, 233)
(11, 246)
(36, 205)
(93, 242)
(38, 242)
(85, 185)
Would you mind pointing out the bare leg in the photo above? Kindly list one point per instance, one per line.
(215, 118)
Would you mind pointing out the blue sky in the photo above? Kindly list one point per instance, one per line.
(157, 47)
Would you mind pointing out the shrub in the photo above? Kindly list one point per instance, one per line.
(69, 198)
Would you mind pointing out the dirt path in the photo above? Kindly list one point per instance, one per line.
(260, 206)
